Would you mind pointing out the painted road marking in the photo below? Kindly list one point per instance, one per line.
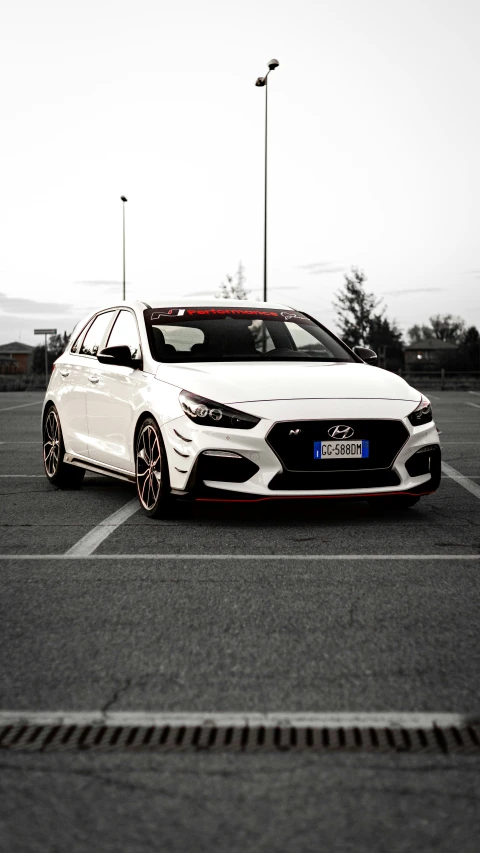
(23, 406)
(477, 393)
(264, 557)
(467, 484)
(473, 405)
(386, 719)
(88, 543)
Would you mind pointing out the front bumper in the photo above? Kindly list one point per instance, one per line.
(186, 443)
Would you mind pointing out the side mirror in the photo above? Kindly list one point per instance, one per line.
(120, 356)
(366, 354)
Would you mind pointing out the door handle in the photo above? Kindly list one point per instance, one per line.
(65, 373)
(93, 379)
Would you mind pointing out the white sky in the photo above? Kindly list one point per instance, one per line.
(373, 157)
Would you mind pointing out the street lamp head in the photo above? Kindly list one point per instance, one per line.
(122, 198)
(274, 63)
(260, 81)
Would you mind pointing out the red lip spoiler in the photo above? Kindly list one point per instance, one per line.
(309, 497)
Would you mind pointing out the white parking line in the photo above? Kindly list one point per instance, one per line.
(240, 557)
(461, 480)
(23, 406)
(477, 393)
(88, 543)
(473, 405)
(386, 719)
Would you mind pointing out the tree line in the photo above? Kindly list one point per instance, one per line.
(362, 321)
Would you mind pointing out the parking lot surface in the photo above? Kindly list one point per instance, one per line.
(283, 607)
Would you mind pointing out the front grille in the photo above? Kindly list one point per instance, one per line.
(295, 452)
(324, 481)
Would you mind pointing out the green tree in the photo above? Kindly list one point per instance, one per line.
(355, 309)
(234, 286)
(443, 327)
(55, 346)
(384, 333)
(469, 349)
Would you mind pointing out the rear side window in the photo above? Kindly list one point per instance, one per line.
(125, 333)
(93, 338)
(183, 338)
(77, 335)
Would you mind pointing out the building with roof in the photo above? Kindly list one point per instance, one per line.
(429, 354)
(15, 357)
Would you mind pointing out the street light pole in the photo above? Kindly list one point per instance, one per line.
(263, 81)
(123, 200)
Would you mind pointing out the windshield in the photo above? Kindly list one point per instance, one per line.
(239, 334)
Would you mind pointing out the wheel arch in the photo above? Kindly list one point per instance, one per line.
(46, 406)
(142, 418)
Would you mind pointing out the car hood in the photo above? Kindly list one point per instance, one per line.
(243, 382)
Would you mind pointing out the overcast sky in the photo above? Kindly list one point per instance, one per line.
(374, 141)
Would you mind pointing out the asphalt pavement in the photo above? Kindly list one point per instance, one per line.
(275, 607)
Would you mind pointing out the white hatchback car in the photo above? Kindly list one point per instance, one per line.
(233, 400)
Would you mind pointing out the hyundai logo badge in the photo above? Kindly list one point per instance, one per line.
(341, 431)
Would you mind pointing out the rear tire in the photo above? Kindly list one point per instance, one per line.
(151, 472)
(395, 503)
(58, 472)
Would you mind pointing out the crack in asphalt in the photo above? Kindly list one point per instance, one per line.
(116, 696)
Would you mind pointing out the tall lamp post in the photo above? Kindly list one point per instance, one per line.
(123, 200)
(262, 81)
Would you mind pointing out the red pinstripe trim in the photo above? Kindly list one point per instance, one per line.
(309, 497)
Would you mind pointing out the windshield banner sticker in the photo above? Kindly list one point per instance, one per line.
(254, 313)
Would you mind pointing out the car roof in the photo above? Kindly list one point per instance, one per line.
(214, 302)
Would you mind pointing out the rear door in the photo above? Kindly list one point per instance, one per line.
(113, 397)
(70, 392)
(81, 377)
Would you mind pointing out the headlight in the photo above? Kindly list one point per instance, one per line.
(209, 413)
(422, 414)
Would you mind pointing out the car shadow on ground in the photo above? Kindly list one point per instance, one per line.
(298, 513)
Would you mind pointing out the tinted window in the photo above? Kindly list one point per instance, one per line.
(125, 333)
(94, 336)
(239, 334)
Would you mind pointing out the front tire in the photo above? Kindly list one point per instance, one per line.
(58, 472)
(151, 470)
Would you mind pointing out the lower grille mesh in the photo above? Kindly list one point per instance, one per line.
(168, 738)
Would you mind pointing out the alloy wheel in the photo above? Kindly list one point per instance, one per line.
(51, 443)
(149, 477)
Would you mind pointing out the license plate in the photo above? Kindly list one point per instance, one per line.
(341, 449)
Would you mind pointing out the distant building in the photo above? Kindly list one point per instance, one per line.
(15, 357)
(429, 353)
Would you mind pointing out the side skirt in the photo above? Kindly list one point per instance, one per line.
(99, 469)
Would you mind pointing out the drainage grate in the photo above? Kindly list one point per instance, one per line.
(238, 738)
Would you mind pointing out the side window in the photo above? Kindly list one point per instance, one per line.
(305, 342)
(76, 336)
(125, 333)
(261, 336)
(182, 338)
(94, 336)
